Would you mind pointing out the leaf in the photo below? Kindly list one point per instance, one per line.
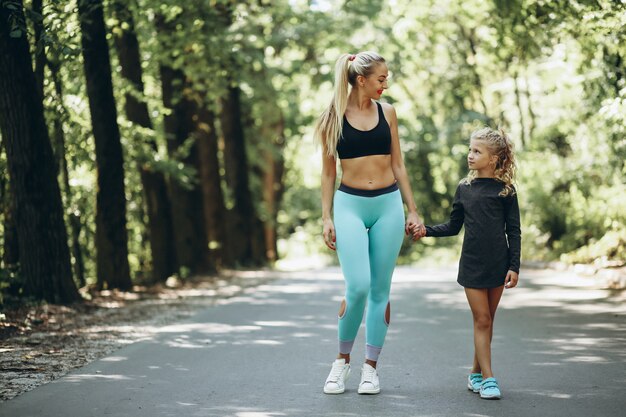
(16, 33)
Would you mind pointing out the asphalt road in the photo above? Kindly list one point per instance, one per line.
(559, 349)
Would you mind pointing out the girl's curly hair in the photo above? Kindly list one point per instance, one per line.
(499, 144)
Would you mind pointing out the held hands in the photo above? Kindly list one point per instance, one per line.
(329, 234)
(414, 227)
(511, 279)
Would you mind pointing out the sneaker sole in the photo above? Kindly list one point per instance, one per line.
(334, 392)
(368, 392)
(339, 391)
(469, 387)
(492, 397)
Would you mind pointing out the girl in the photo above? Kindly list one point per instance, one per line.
(486, 203)
(368, 214)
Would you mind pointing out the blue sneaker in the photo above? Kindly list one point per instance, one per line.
(489, 389)
(474, 381)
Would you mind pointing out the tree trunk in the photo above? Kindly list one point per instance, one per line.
(160, 233)
(518, 102)
(11, 252)
(531, 113)
(213, 199)
(40, 56)
(273, 189)
(243, 223)
(43, 250)
(471, 59)
(187, 212)
(59, 140)
(111, 235)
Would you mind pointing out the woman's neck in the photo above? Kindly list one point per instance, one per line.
(359, 101)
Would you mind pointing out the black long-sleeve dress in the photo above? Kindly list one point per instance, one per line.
(492, 241)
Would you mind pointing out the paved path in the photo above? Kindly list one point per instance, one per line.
(559, 350)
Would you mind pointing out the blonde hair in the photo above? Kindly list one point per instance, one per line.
(499, 144)
(328, 128)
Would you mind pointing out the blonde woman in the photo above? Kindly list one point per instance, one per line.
(486, 203)
(364, 219)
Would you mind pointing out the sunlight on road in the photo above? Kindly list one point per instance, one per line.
(85, 377)
(209, 328)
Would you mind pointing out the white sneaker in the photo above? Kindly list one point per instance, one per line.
(369, 380)
(339, 373)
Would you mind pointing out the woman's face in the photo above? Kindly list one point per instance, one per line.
(374, 84)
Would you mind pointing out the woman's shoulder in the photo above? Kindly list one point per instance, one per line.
(388, 109)
(385, 105)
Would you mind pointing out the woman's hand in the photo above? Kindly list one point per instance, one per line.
(329, 234)
(511, 279)
(414, 226)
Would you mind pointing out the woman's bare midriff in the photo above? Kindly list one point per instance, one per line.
(367, 172)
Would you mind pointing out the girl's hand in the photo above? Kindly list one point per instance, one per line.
(414, 226)
(419, 231)
(511, 279)
(329, 234)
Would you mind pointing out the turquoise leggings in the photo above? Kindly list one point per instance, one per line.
(369, 233)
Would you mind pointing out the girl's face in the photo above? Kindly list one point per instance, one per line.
(479, 158)
(374, 84)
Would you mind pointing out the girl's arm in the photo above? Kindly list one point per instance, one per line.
(513, 231)
(413, 219)
(453, 226)
(329, 176)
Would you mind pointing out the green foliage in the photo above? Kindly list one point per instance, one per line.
(551, 72)
(15, 20)
(606, 251)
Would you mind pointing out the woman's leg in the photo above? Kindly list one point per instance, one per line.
(385, 237)
(352, 251)
(483, 303)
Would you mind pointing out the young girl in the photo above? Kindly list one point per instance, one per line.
(486, 203)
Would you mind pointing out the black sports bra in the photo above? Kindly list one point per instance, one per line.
(355, 143)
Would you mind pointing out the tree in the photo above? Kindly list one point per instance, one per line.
(192, 249)
(10, 245)
(160, 232)
(58, 135)
(43, 251)
(209, 176)
(111, 234)
(244, 228)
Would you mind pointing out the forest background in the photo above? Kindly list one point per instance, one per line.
(145, 139)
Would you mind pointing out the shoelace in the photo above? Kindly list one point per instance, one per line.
(335, 372)
(368, 375)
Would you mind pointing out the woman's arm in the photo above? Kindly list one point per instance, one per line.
(453, 226)
(413, 220)
(329, 176)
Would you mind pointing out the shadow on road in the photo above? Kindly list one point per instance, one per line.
(558, 350)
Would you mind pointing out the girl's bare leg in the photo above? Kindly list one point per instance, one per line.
(483, 303)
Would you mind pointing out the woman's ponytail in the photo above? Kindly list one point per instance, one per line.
(328, 128)
(329, 125)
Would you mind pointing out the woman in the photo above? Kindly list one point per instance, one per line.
(368, 213)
